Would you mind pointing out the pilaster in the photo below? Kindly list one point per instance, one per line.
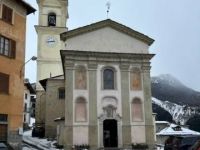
(93, 129)
(149, 128)
(126, 127)
(69, 68)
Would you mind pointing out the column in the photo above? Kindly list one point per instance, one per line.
(126, 127)
(93, 128)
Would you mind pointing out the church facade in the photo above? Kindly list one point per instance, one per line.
(104, 97)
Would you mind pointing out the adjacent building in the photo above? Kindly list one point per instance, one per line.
(12, 55)
(29, 103)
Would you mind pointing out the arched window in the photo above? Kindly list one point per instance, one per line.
(108, 79)
(135, 79)
(80, 110)
(51, 19)
(137, 111)
(80, 77)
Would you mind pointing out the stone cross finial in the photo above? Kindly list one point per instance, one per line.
(108, 4)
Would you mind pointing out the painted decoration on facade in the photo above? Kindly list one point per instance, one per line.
(137, 112)
(135, 79)
(80, 110)
(80, 78)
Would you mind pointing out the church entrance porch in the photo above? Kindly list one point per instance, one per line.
(110, 134)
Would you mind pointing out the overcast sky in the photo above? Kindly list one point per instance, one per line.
(173, 24)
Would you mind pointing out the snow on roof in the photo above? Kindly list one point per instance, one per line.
(59, 119)
(174, 129)
(159, 122)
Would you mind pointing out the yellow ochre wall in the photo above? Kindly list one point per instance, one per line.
(12, 104)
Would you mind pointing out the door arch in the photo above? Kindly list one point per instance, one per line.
(110, 133)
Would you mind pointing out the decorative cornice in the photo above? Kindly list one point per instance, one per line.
(146, 67)
(103, 56)
(124, 67)
(92, 66)
(69, 64)
(50, 29)
(107, 23)
(70, 57)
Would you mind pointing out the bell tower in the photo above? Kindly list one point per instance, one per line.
(53, 15)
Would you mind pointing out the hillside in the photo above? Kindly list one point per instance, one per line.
(172, 98)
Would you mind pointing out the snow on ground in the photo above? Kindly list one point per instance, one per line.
(43, 144)
(179, 113)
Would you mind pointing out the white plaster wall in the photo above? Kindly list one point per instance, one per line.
(136, 94)
(137, 127)
(106, 40)
(80, 135)
(108, 93)
(101, 94)
(81, 93)
(138, 134)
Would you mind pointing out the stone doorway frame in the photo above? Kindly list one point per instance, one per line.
(101, 119)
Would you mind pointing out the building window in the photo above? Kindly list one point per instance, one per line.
(51, 19)
(61, 93)
(3, 118)
(135, 79)
(80, 110)
(7, 47)
(3, 127)
(137, 111)
(108, 79)
(7, 14)
(4, 83)
(25, 107)
(26, 96)
(24, 118)
(80, 78)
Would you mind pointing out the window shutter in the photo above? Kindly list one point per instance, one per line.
(4, 12)
(7, 14)
(4, 83)
(12, 49)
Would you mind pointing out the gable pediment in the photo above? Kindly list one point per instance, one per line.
(107, 24)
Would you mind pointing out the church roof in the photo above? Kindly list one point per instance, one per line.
(44, 81)
(107, 23)
(26, 5)
(174, 129)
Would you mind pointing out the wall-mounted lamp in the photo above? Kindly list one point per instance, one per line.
(33, 58)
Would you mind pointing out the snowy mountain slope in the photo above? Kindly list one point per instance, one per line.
(180, 114)
(167, 88)
(171, 97)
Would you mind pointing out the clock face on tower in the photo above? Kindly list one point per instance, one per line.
(51, 41)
